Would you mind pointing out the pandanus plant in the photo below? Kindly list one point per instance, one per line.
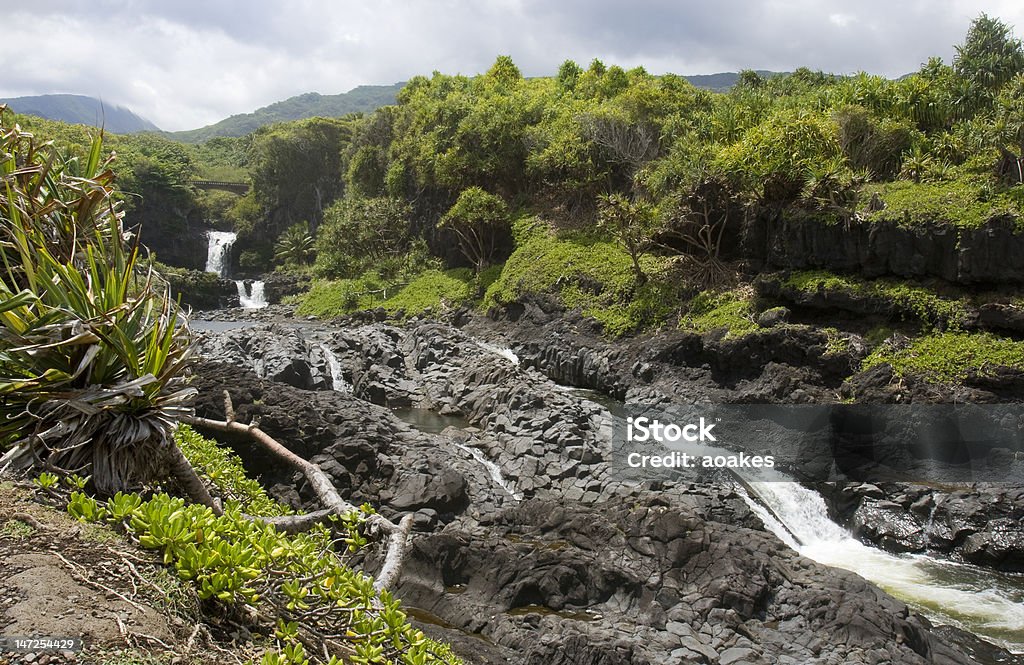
(93, 351)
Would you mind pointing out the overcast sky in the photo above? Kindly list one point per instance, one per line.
(188, 63)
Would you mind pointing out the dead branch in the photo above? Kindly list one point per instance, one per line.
(325, 491)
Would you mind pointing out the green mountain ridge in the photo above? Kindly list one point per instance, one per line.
(362, 99)
(81, 110)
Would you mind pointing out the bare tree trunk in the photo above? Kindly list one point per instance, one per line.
(397, 547)
(183, 472)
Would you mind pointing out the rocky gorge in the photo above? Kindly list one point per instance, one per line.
(530, 548)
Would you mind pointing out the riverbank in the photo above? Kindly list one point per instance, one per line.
(583, 566)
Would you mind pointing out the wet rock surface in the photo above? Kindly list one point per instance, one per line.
(528, 547)
(979, 524)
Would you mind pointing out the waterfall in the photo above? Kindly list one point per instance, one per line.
(494, 470)
(338, 382)
(982, 601)
(217, 251)
(251, 300)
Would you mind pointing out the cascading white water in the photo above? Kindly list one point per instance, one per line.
(217, 251)
(494, 470)
(253, 299)
(504, 352)
(338, 381)
(986, 602)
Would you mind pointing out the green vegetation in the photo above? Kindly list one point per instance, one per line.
(367, 234)
(477, 218)
(587, 273)
(91, 355)
(363, 99)
(225, 472)
(293, 589)
(964, 203)
(918, 302)
(329, 298)
(15, 529)
(621, 163)
(438, 291)
(294, 248)
(950, 357)
(236, 562)
(732, 311)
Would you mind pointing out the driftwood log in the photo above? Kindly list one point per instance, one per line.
(334, 504)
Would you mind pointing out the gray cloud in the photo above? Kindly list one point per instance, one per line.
(192, 62)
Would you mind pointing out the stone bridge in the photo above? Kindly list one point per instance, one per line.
(240, 188)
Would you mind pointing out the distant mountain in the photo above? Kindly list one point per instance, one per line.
(365, 99)
(81, 110)
(723, 81)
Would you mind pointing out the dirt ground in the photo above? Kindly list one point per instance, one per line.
(61, 579)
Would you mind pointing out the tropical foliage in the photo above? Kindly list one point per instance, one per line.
(92, 350)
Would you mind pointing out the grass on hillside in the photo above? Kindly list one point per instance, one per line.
(433, 290)
(964, 203)
(927, 305)
(950, 357)
(732, 311)
(590, 274)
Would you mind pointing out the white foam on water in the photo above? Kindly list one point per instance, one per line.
(338, 382)
(217, 251)
(982, 601)
(254, 300)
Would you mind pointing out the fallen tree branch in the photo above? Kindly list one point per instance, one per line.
(398, 541)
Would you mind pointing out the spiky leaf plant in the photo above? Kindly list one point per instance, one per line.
(93, 351)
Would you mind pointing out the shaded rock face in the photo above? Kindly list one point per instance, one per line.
(542, 552)
(991, 254)
(278, 286)
(979, 525)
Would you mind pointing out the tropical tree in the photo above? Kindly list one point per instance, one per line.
(363, 234)
(632, 223)
(1010, 129)
(295, 246)
(476, 219)
(990, 55)
(93, 352)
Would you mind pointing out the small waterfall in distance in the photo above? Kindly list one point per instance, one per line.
(254, 299)
(338, 381)
(217, 251)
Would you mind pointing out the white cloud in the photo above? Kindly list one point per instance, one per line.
(193, 62)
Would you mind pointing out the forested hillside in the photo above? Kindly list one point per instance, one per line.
(632, 169)
(79, 109)
(636, 199)
(364, 99)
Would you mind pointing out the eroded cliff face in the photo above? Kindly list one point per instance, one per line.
(990, 254)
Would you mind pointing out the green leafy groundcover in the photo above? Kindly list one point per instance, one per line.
(920, 302)
(965, 202)
(713, 310)
(240, 562)
(431, 289)
(434, 290)
(588, 273)
(950, 357)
